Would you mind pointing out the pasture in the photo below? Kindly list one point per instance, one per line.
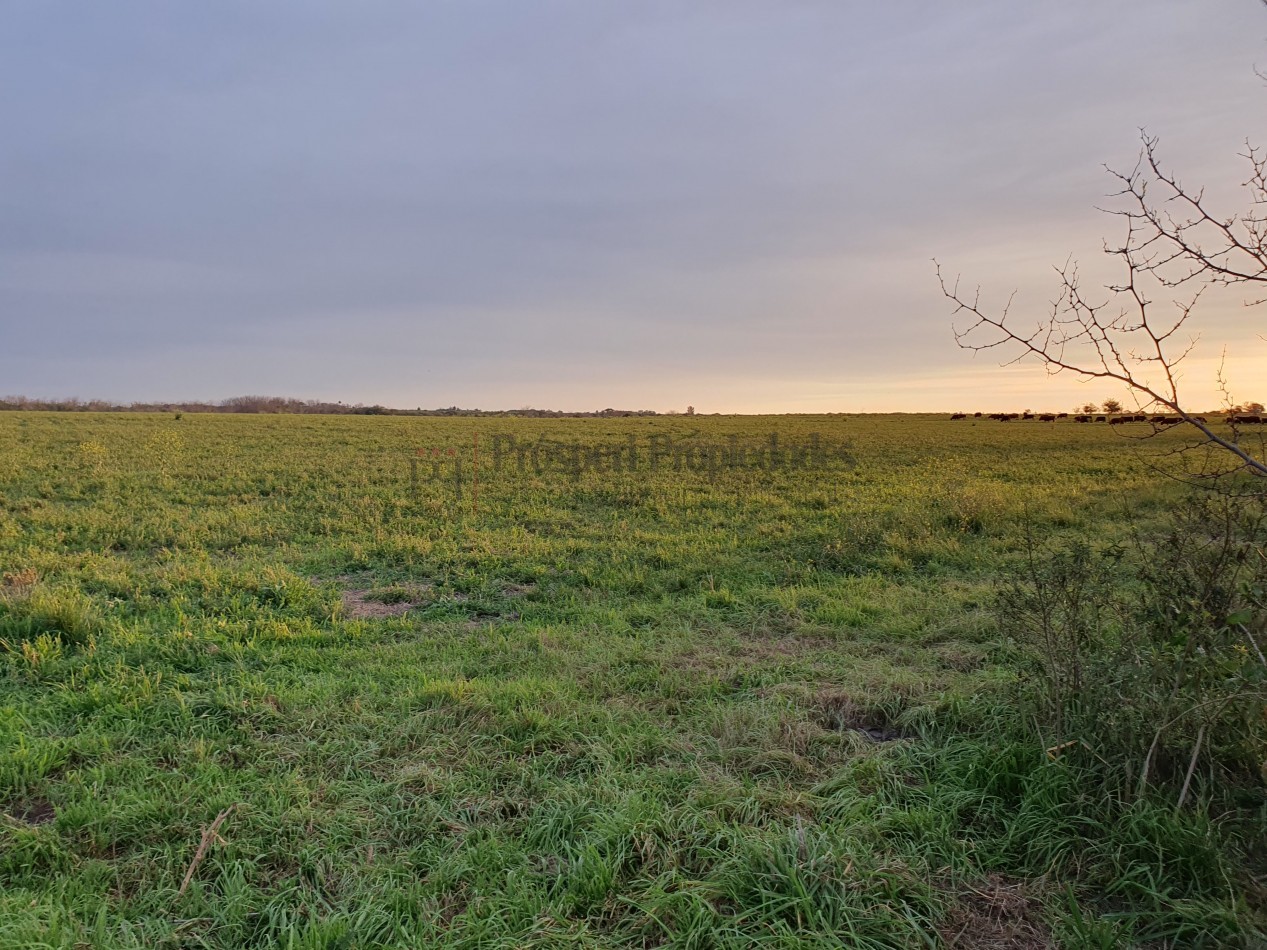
(600, 704)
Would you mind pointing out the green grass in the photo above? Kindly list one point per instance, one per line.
(617, 709)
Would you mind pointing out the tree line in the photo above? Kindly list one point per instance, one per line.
(281, 404)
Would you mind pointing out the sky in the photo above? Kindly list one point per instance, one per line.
(581, 204)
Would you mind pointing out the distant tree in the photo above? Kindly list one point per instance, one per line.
(690, 410)
(1088, 408)
(1112, 405)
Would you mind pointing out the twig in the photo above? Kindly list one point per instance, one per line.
(1192, 767)
(1254, 643)
(1054, 752)
(208, 835)
(1123, 338)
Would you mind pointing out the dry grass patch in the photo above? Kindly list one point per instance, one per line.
(997, 914)
(19, 581)
(362, 605)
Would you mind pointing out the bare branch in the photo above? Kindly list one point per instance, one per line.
(1173, 241)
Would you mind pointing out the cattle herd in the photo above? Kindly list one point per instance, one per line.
(1113, 420)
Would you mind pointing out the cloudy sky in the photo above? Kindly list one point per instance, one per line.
(581, 203)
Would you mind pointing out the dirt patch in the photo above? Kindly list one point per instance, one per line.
(997, 914)
(33, 811)
(482, 619)
(840, 711)
(362, 605)
(362, 602)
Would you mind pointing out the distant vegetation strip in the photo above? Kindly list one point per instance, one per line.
(264, 404)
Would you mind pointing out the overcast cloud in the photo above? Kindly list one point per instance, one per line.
(583, 204)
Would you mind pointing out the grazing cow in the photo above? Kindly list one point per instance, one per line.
(1201, 419)
(1028, 415)
(1062, 415)
(1081, 418)
(1141, 418)
(1013, 415)
(976, 415)
(1101, 418)
(1245, 420)
(959, 415)
(1047, 417)
(1119, 420)
(1158, 420)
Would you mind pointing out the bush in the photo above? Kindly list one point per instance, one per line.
(1149, 657)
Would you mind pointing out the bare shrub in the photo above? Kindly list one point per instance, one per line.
(1150, 657)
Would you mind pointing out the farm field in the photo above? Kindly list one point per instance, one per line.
(634, 697)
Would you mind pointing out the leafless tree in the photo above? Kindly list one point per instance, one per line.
(1176, 247)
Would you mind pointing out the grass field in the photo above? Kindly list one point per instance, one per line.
(729, 708)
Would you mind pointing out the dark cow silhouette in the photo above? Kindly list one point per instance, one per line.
(1101, 418)
(1047, 417)
(1081, 418)
(959, 415)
